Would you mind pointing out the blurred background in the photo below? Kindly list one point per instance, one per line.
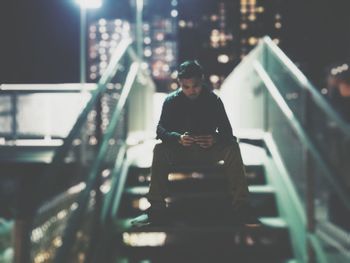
(82, 84)
(40, 39)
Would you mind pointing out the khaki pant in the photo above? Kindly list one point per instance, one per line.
(167, 155)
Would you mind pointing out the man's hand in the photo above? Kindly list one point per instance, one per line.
(205, 141)
(186, 139)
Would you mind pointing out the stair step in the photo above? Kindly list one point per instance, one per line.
(204, 182)
(179, 241)
(255, 174)
(125, 224)
(196, 255)
(141, 176)
(262, 199)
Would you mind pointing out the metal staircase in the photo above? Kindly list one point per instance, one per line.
(200, 228)
(69, 194)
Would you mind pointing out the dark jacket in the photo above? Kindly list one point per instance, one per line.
(202, 116)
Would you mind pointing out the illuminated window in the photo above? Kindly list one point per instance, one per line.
(116, 36)
(147, 40)
(174, 75)
(103, 64)
(93, 55)
(214, 18)
(105, 36)
(244, 26)
(166, 68)
(223, 58)
(260, 9)
(146, 27)
(214, 79)
(93, 68)
(93, 29)
(160, 36)
(147, 52)
(278, 25)
(102, 50)
(102, 22)
(173, 86)
(252, 17)
(182, 23)
(276, 41)
(252, 41)
(174, 13)
(190, 24)
(102, 29)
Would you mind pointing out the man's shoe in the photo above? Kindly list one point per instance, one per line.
(142, 220)
(152, 216)
(247, 217)
(251, 221)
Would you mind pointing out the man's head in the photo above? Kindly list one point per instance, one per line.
(190, 76)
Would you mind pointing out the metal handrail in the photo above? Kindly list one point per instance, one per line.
(70, 233)
(106, 77)
(305, 83)
(300, 131)
(46, 88)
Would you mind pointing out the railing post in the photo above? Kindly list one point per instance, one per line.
(14, 116)
(310, 180)
(264, 62)
(22, 240)
(310, 204)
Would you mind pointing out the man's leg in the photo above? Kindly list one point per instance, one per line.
(159, 172)
(234, 170)
(238, 186)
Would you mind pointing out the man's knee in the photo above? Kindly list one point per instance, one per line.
(161, 148)
(231, 147)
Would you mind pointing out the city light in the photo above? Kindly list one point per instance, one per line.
(174, 13)
(214, 79)
(278, 25)
(141, 239)
(252, 41)
(89, 4)
(182, 23)
(223, 58)
(147, 40)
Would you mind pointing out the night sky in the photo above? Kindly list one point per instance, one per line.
(40, 38)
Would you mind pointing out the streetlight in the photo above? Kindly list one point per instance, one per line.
(85, 4)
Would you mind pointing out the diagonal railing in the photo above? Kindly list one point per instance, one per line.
(68, 207)
(313, 141)
(65, 253)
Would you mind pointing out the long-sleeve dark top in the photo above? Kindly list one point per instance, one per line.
(203, 116)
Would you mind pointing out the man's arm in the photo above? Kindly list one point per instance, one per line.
(224, 126)
(163, 126)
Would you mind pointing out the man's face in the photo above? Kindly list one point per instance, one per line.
(192, 88)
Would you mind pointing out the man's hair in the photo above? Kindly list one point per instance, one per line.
(190, 69)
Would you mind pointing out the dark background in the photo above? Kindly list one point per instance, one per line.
(40, 38)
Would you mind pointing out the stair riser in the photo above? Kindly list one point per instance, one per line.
(141, 176)
(264, 205)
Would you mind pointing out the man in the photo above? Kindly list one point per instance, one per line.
(194, 128)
